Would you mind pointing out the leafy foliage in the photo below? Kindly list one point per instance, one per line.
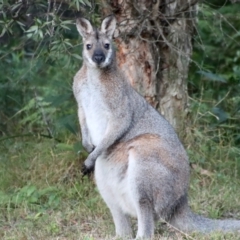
(215, 84)
(47, 197)
(39, 56)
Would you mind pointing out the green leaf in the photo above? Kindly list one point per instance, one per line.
(15, 6)
(66, 42)
(87, 3)
(65, 27)
(64, 146)
(59, 99)
(20, 23)
(77, 147)
(4, 198)
(30, 190)
(77, 56)
(70, 127)
(32, 29)
(77, 5)
(3, 32)
(212, 76)
(221, 114)
(40, 32)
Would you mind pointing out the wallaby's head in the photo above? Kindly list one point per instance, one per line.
(97, 43)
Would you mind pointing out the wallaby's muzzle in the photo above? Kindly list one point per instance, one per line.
(98, 57)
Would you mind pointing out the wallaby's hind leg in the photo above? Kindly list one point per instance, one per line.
(145, 219)
(111, 194)
(139, 191)
(122, 222)
(157, 179)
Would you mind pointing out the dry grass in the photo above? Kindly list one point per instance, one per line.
(42, 196)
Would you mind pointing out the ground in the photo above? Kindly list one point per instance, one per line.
(43, 196)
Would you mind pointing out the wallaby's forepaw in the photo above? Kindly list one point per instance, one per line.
(86, 170)
(88, 165)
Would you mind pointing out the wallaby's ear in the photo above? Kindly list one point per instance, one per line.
(108, 25)
(84, 27)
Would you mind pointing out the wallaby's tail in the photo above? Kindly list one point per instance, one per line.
(186, 221)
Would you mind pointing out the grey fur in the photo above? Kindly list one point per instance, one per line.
(141, 167)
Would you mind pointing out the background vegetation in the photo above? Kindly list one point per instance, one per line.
(42, 195)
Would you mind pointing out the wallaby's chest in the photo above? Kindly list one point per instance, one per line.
(96, 111)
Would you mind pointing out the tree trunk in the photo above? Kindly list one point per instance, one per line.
(154, 42)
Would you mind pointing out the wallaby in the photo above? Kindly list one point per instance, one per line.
(141, 167)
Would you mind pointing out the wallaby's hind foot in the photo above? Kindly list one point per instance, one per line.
(122, 222)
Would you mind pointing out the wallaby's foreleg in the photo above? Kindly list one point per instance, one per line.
(110, 137)
(86, 139)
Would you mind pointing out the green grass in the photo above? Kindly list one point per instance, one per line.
(42, 194)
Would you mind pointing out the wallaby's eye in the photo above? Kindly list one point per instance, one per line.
(106, 45)
(89, 46)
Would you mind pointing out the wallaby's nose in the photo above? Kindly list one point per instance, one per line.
(98, 57)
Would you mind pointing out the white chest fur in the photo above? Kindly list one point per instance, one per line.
(94, 107)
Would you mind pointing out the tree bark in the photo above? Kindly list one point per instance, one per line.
(154, 42)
